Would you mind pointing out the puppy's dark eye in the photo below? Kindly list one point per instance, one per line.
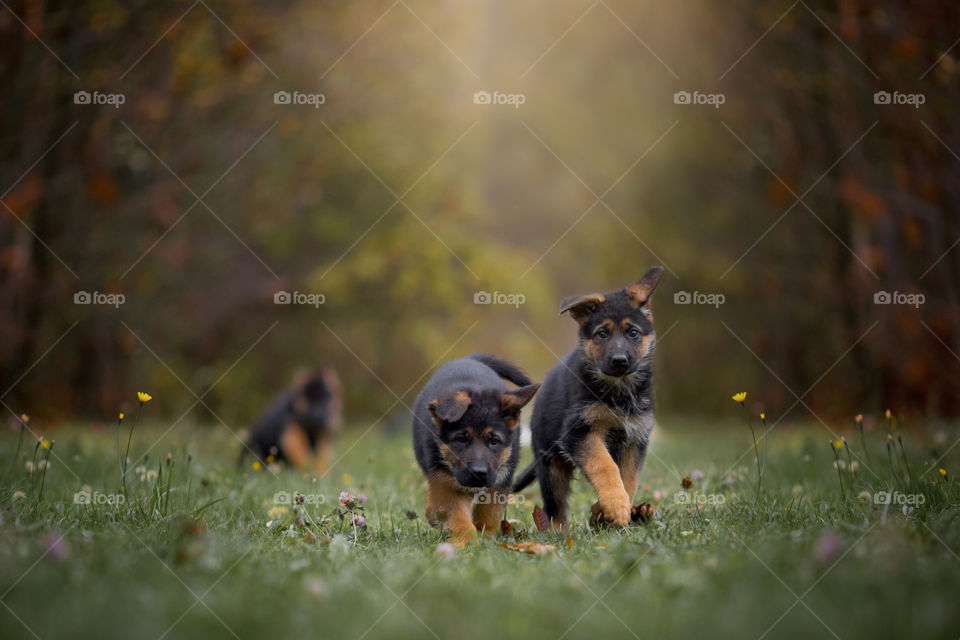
(602, 334)
(461, 438)
(495, 440)
(633, 332)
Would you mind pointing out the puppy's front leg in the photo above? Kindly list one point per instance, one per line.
(295, 445)
(604, 474)
(489, 511)
(444, 502)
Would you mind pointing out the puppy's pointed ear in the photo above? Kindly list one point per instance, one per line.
(449, 408)
(641, 290)
(512, 401)
(580, 307)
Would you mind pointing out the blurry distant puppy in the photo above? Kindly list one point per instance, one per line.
(596, 407)
(301, 421)
(467, 442)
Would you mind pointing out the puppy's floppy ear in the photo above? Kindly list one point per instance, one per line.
(580, 307)
(449, 408)
(641, 290)
(512, 401)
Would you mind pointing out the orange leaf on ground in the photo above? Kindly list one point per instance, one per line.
(533, 548)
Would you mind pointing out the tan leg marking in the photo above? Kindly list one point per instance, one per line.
(604, 475)
(445, 501)
(295, 446)
(630, 471)
(324, 446)
(560, 473)
(488, 516)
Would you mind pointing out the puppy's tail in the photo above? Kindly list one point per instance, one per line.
(526, 477)
(504, 369)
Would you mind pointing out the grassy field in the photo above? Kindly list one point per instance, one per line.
(202, 549)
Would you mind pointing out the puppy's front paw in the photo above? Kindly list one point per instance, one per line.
(611, 511)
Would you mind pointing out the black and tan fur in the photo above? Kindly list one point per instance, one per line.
(595, 410)
(301, 423)
(466, 440)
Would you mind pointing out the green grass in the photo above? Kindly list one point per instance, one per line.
(207, 559)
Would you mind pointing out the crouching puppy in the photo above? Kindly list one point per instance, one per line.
(301, 423)
(595, 411)
(467, 441)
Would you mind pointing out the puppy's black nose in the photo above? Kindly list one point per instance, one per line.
(620, 361)
(479, 472)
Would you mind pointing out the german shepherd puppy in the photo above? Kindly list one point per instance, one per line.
(595, 410)
(301, 421)
(466, 440)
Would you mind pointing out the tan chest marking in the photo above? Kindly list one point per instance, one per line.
(602, 417)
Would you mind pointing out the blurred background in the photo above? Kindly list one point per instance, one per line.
(788, 165)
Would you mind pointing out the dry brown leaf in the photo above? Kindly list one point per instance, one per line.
(541, 519)
(532, 548)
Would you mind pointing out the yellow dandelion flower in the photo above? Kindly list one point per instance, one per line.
(24, 418)
(44, 444)
(270, 459)
(257, 466)
(144, 397)
(763, 416)
(121, 417)
(837, 444)
(740, 397)
(943, 472)
(858, 418)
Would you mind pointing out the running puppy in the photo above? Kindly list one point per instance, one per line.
(595, 411)
(301, 422)
(466, 440)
